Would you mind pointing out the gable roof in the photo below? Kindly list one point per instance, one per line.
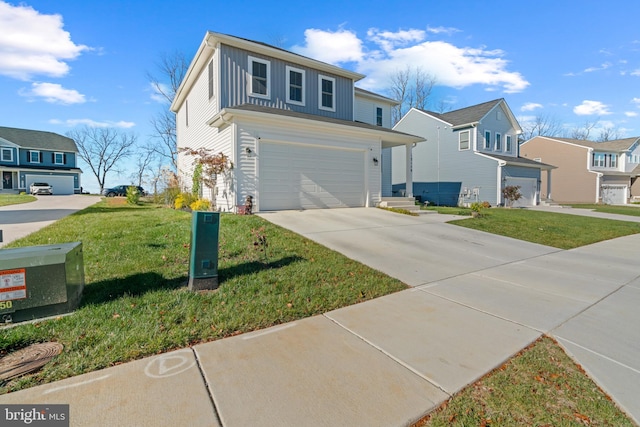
(520, 161)
(613, 145)
(372, 95)
(474, 114)
(39, 140)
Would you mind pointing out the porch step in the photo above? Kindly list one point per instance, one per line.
(550, 203)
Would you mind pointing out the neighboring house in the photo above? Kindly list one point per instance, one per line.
(28, 156)
(469, 155)
(297, 131)
(589, 172)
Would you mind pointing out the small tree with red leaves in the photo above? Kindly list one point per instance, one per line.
(212, 165)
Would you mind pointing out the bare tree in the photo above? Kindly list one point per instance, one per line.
(171, 69)
(585, 131)
(102, 149)
(609, 134)
(541, 125)
(146, 156)
(412, 89)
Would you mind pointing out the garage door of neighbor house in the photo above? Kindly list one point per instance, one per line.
(309, 177)
(61, 184)
(528, 190)
(614, 194)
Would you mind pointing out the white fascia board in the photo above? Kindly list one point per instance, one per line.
(228, 115)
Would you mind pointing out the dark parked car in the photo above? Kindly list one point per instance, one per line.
(121, 190)
(40, 188)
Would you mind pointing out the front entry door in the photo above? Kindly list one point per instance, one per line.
(7, 180)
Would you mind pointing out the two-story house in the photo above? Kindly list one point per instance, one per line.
(28, 156)
(469, 155)
(297, 131)
(589, 172)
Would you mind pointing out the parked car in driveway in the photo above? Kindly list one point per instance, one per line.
(121, 190)
(40, 188)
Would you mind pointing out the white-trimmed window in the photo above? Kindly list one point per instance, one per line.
(487, 140)
(326, 93)
(296, 82)
(259, 77)
(378, 116)
(34, 156)
(598, 160)
(507, 144)
(6, 155)
(614, 161)
(498, 142)
(58, 158)
(463, 140)
(210, 78)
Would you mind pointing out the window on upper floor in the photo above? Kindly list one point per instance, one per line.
(598, 160)
(58, 158)
(296, 80)
(613, 161)
(326, 93)
(487, 139)
(463, 142)
(508, 146)
(378, 116)
(498, 142)
(210, 78)
(7, 155)
(260, 71)
(34, 156)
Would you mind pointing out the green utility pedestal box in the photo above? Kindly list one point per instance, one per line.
(40, 281)
(203, 268)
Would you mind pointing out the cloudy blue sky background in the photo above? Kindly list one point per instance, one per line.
(66, 63)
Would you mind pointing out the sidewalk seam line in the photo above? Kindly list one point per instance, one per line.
(207, 386)
(395, 359)
(558, 337)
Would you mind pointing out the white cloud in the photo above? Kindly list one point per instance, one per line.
(34, 44)
(636, 72)
(54, 93)
(93, 123)
(155, 93)
(443, 30)
(383, 53)
(636, 101)
(530, 106)
(332, 47)
(600, 68)
(588, 108)
(631, 114)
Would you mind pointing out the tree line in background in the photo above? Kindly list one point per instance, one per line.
(104, 149)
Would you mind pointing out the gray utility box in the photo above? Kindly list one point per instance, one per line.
(203, 266)
(40, 281)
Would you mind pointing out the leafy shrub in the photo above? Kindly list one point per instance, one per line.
(133, 195)
(183, 200)
(486, 205)
(200, 205)
(476, 207)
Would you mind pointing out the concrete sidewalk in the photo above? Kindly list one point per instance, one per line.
(388, 361)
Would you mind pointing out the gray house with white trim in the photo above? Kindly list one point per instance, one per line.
(298, 132)
(469, 155)
(28, 156)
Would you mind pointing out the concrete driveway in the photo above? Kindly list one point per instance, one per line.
(17, 221)
(417, 250)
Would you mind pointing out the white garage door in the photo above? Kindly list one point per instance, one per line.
(307, 177)
(61, 184)
(614, 194)
(528, 190)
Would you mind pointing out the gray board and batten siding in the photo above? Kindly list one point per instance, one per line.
(234, 72)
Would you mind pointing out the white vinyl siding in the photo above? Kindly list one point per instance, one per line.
(259, 78)
(326, 93)
(296, 86)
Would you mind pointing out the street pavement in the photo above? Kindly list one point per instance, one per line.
(474, 301)
(17, 221)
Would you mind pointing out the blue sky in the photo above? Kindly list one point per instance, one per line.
(66, 63)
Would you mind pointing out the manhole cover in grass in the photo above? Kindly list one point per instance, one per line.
(28, 359)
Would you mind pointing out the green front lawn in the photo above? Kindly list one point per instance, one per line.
(547, 228)
(620, 210)
(135, 302)
(15, 199)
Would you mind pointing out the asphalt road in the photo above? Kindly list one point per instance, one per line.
(17, 221)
